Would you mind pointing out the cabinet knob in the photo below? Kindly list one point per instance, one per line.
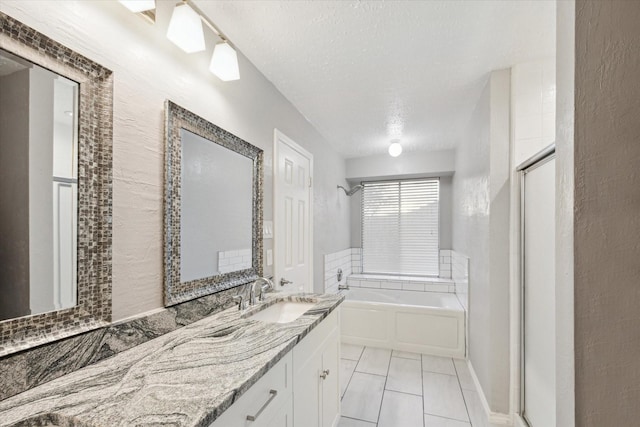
(324, 374)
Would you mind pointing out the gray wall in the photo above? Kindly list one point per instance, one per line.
(14, 194)
(481, 232)
(607, 213)
(149, 71)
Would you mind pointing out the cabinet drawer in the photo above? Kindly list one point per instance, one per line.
(259, 401)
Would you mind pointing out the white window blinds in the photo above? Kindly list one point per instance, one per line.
(400, 223)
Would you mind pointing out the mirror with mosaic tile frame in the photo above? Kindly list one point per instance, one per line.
(213, 208)
(87, 176)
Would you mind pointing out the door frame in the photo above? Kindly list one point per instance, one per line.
(517, 287)
(279, 136)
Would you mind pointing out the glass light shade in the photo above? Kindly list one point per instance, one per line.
(185, 29)
(224, 63)
(138, 6)
(395, 149)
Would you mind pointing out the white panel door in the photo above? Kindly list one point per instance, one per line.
(539, 385)
(293, 170)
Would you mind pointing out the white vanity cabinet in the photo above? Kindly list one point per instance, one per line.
(316, 385)
(301, 390)
(266, 404)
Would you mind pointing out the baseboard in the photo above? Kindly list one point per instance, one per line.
(519, 422)
(497, 418)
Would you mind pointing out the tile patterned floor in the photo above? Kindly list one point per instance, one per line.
(386, 388)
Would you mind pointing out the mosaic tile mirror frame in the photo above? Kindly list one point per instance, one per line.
(94, 242)
(178, 119)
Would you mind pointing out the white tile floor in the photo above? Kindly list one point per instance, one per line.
(386, 388)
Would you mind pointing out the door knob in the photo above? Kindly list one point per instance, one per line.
(324, 374)
(284, 281)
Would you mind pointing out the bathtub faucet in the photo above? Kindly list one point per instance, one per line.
(342, 287)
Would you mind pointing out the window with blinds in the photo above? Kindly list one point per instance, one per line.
(400, 227)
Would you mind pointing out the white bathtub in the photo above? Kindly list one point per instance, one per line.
(420, 322)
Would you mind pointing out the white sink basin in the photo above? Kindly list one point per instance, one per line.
(282, 312)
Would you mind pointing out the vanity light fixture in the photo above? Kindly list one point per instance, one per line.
(185, 29)
(395, 149)
(224, 63)
(137, 6)
(146, 8)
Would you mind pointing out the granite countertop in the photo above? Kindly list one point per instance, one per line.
(187, 377)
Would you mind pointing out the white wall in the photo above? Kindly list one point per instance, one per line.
(533, 107)
(565, 107)
(481, 232)
(408, 164)
(147, 70)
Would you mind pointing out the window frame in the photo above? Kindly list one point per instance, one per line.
(439, 223)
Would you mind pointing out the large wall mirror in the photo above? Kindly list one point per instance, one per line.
(55, 191)
(39, 194)
(213, 208)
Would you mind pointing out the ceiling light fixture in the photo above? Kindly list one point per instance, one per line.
(185, 29)
(395, 149)
(137, 6)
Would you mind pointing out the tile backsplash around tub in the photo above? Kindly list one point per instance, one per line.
(342, 260)
(405, 283)
(350, 262)
(445, 263)
(460, 275)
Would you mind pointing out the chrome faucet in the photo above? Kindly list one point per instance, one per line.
(240, 300)
(267, 285)
(244, 301)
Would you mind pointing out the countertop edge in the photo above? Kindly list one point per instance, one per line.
(226, 404)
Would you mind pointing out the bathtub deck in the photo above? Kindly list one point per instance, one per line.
(420, 322)
(388, 388)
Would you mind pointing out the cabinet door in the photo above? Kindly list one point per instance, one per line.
(306, 391)
(284, 417)
(331, 383)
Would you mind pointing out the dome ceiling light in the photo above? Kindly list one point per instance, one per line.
(395, 149)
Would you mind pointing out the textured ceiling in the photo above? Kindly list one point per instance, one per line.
(364, 72)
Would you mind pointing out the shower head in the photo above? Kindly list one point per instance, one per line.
(353, 191)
